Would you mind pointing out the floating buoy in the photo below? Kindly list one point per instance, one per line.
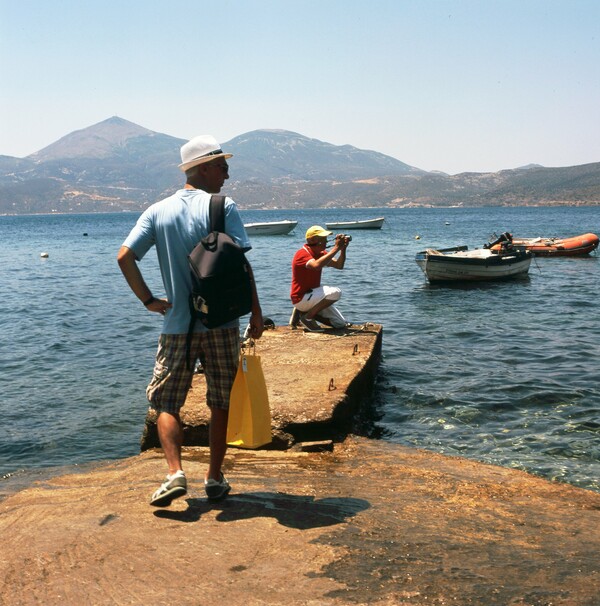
(417, 237)
(44, 255)
(447, 222)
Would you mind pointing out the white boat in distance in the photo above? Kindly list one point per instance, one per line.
(364, 224)
(462, 264)
(270, 228)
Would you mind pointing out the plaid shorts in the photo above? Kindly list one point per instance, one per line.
(218, 351)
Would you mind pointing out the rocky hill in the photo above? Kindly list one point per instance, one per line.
(118, 165)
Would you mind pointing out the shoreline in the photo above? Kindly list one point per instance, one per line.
(23, 479)
(547, 204)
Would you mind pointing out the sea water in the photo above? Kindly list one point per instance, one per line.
(504, 373)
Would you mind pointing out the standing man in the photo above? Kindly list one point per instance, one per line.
(308, 296)
(175, 225)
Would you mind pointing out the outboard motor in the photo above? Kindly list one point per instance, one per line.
(504, 239)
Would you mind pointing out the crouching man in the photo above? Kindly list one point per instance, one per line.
(308, 296)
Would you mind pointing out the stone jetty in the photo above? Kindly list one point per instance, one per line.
(316, 383)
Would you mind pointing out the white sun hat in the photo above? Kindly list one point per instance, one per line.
(203, 148)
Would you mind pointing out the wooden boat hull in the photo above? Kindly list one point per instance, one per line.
(270, 228)
(460, 264)
(559, 247)
(365, 224)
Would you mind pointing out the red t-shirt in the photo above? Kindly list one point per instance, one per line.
(304, 278)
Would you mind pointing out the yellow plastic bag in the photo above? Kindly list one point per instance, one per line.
(249, 424)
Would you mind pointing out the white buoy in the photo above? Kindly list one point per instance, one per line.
(417, 237)
(44, 255)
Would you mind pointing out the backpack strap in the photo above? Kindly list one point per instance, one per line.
(217, 213)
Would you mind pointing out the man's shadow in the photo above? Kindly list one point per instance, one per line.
(293, 511)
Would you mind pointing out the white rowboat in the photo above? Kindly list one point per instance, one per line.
(461, 264)
(365, 224)
(270, 228)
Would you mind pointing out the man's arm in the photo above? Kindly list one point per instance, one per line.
(329, 259)
(342, 241)
(324, 260)
(128, 263)
(234, 227)
(257, 324)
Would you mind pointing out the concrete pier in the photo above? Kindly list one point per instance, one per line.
(316, 383)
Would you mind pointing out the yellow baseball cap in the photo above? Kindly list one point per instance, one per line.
(316, 231)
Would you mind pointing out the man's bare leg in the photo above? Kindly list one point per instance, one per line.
(217, 441)
(170, 434)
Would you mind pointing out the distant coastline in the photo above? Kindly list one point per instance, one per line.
(289, 210)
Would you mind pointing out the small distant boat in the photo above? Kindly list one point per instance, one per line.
(364, 224)
(270, 228)
(481, 264)
(559, 247)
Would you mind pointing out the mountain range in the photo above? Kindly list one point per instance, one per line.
(117, 165)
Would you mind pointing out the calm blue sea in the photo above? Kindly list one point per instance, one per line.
(504, 373)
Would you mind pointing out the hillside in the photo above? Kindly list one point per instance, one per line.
(279, 155)
(118, 165)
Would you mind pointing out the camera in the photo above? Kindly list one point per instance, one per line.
(347, 237)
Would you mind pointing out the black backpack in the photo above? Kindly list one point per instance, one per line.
(221, 288)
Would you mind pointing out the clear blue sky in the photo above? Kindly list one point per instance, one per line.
(455, 86)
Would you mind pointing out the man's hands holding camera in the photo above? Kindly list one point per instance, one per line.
(342, 240)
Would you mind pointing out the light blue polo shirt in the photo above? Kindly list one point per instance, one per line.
(175, 225)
